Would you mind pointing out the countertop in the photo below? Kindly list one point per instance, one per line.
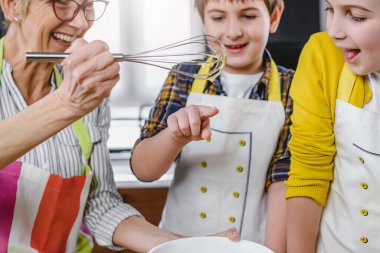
(125, 179)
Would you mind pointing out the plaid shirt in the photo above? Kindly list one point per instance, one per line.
(174, 94)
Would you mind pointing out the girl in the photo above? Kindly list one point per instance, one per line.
(335, 135)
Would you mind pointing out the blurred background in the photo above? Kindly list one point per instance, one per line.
(131, 26)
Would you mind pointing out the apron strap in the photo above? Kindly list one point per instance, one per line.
(274, 92)
(80, 131)
(200, 84)
(346, 84)
(352, 88)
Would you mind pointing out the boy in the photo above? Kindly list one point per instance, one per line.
(220, 182)
(335, 135)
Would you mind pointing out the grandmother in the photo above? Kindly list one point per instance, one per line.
(54, 124)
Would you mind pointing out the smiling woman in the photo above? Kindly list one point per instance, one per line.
(54, 122)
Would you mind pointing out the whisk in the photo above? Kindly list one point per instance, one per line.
(202, 51)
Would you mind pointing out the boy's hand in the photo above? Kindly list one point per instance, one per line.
(191, 123)
(231, 233)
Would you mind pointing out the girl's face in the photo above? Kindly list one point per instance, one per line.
(244, 29)
(355, 27)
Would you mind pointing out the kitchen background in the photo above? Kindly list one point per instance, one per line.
(131, 26)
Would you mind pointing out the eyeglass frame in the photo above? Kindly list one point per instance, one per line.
(79, 8)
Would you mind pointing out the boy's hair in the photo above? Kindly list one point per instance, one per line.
(200, 5)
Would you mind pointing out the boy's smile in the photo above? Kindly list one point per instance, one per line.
(235, 49)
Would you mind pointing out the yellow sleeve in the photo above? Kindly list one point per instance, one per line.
(312, 143)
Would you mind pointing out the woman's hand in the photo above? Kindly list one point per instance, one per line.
(90, 73)
(191, 123)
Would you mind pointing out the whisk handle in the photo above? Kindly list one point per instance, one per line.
(57, 57)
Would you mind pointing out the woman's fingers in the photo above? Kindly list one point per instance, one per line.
(81, 51)
(90, 73)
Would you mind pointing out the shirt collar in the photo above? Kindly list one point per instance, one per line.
(262, 87)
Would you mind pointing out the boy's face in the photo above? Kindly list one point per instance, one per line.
(244, 29)
(355, 27)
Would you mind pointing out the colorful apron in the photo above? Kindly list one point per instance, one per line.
(40, 211)
(351, 218)
(219, 183)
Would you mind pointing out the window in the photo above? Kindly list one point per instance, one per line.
(132, 26)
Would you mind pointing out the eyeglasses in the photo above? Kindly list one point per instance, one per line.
(66, 10)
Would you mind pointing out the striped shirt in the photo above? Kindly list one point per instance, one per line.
(61, 154)
(173, 96)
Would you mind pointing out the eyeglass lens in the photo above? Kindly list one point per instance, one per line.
(67, 9)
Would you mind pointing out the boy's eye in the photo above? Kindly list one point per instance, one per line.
(217, 18)
(249, 16)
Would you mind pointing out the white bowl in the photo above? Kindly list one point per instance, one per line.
(209, 244)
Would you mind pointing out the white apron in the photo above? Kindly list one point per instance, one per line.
(219, 183)
(351, 218)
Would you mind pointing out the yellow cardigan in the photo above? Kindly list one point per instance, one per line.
(314, 91)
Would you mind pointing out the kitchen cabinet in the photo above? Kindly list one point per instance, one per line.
(149, 201)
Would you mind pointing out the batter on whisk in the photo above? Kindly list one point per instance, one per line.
(228, 136)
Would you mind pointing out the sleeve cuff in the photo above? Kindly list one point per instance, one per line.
(314, 189)
(108, 223)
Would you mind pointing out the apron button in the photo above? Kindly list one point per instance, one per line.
(364, 186)
(239, 169)
(364, 212)
(232, 219)
(236, 195)
(242, 143)
(203, 189)
(204, 164)
(364, 239)
(202, 215)
(361, 159)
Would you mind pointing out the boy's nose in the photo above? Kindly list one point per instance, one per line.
(234, 29)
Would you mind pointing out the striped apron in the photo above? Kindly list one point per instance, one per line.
(40, 211)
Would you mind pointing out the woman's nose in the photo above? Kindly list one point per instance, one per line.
(80, 21)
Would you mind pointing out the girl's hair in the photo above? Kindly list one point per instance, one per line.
(200, 5)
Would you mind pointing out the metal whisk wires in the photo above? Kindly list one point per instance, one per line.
(181, 58)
